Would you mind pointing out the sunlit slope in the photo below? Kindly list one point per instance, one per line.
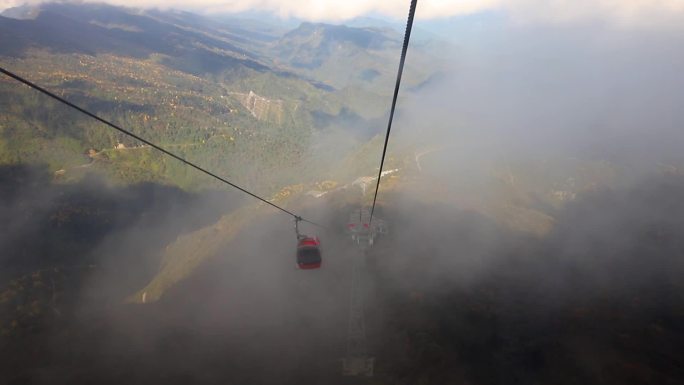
(181, 257)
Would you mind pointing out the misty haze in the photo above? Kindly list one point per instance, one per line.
(528, 227)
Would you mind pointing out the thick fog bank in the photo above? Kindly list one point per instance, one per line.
(584, 90)
(464, 299)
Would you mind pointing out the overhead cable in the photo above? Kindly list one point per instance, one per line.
(407, 36)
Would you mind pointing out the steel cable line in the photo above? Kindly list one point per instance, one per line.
(407, 36)
(124, 131)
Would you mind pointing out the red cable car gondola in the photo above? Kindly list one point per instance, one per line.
(309, 253)
(308, 250)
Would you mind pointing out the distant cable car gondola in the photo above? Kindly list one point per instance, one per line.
(308, 250)
(309, 253)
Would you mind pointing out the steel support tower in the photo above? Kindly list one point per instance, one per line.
(357, 362)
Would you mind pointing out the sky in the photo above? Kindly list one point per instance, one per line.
(630, 13)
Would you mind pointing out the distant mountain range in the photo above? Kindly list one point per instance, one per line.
(97, 29)
(195, 43)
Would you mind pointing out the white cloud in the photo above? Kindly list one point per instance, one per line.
(622, 12)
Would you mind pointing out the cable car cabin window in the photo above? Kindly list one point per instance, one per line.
(308, 255)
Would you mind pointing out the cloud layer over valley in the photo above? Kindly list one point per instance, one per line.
(642, 13)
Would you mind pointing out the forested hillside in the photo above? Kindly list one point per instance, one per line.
(220, 95)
